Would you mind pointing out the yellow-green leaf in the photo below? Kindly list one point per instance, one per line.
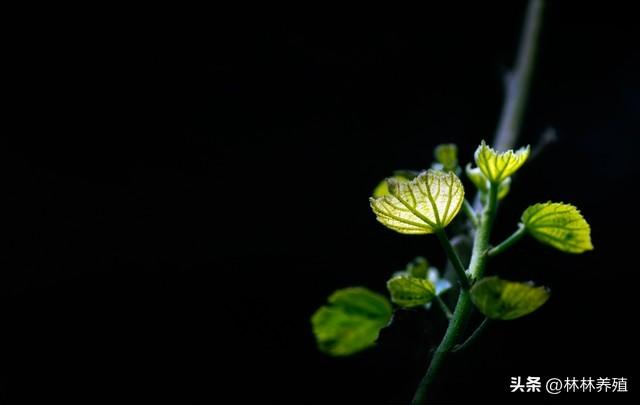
(559, 225)
(506, 300)
(351, 322)
(407, 291)
(423, 205)
(498, 166)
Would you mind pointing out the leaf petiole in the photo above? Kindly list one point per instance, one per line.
(454, 258)
(470, 213)
(473, 337)
(444, 307)
(507, 243)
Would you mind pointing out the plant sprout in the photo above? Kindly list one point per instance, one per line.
(427, 203)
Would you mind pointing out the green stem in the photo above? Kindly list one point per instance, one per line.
(453, 258)
(470, 212)
(517, 89)
(443, 306)
(507, 243)
(456, 327)
(464, 305)
(474, 336)
(481, 243)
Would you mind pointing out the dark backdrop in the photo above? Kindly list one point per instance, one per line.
(180, 198)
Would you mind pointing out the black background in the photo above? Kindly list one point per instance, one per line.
(182, 197)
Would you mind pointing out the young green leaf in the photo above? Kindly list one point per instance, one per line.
(559, 225)
(407, 291)
(498, 166)
(482, 183)
(504, 187)
(418, 267)
(423, 205)
(351, 322)
(383, 188)
(477, 178)
(446, 155)
(506, 300)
